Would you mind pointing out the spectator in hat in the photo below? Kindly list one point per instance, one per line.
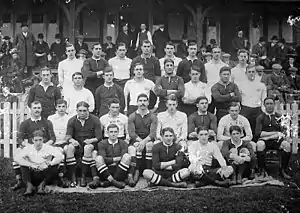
(57, 50)
(283, 50)
(79, 44)
(143, 35)
(260, 49)
(182, 47)
(160, 38)
(226, 60)
(211, 45)
(207, 57)
(272, 49)
(109, 48)
(25, 43)
(291, 62)
(41, 51)
(124, 36)
(263, 77)
(82, 54)
(5, 51)
(294, 79)
(239, 42)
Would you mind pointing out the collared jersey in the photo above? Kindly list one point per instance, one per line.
(193, 91)
(176, 62)
(59, 125)
(121, 121)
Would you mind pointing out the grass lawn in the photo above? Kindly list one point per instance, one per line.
(252, 199)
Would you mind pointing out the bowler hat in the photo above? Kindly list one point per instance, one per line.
(41, 35)
(6, 38)
(274, 37)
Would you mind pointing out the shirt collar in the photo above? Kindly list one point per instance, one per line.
(108, 85)
(270, 114)
(119, 58)
(167, 76)
(82, 120)
(51, 84)
(220, 82)
(35, 120)
(166, 145)
(147, 112)
(238, 145)
(191, 59)
(142, 56)
(200, 113)
(111, 142)
(96, 58)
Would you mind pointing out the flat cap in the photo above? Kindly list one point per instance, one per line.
(259, 68)
(82, 51)
(293, 69)
(226, 55)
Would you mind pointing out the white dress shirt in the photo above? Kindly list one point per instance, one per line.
(238, 74)
(121, 121)
(59, 126)
(193, 91)
(121, 67)
(212, 70)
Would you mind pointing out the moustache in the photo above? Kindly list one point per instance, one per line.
(143, 105)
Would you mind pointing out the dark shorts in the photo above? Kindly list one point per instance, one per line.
(112, 171)
(60, 145)
(273, 144)
(166, 174)
(79, 150)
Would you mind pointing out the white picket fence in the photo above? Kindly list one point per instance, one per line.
(12, 116)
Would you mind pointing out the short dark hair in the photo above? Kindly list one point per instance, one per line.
(250, 66)
(169, 60)
(224, 69)
(146, 42)
(201, 128)
(193, 44)
(45, 69)
(113, 101)
(172, 97)
(111, 126)
(69, 45)
(77, 73)
(242, 51)
(142, 95)
(35, 103)
(195, 68)
(167, 129)
(121, 44)
(108, 70)
(201, 98)
(137, 64)
(38, 133)
(82, 103)
(61, 101)
(235, 128)
(269, 98)
(96, 44)
(234, 104)
(170, 43)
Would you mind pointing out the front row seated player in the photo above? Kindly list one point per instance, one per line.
(201, 155)
(169, 168)
(39, 163)
(84, 132)
(114, 160)
(269, 135)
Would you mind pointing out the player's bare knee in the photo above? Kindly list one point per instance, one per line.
(286, 146)
(132, 151)
(147, 173)
(87, 149)
(99, 160)
(149, 147)
(185, 172)
(260, 146)
(126, 159)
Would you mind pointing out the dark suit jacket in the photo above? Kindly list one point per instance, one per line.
(160, 38)
(79, 47)
(294, 82)
(286, 66)
(259, 50)
(182, 50)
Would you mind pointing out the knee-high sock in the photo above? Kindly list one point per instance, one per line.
(103, 171)
(132, 165)
(93, 169)
(17, 169)
(121, 173)
(261, 160)
(241, 168)
(159, 180)
(148, 160)
(285, 158)
(71, 166)
(138, 160)
(85, 164)
(176, 178)
(62, 168)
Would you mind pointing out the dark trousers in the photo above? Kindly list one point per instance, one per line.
(251, 114)
(36, 177)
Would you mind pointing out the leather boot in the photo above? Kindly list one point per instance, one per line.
(118, 184)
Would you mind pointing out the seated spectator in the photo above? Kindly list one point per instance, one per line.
(175, 119)
(109, 48)
(263, 77)
(234, 119)
(279, 84)
(113, 160)
(39, 163)
(80, 44)
(25, 135)
(201, 154)
(269, 136)
(291, 62)
(168, 84)
(194, 89)
(142, 126)
(6, 96)
(240, 154)
(41, 51)
(82, 54)
(84, 132)
(115, 117)
(294, 79)
(224, 92)
(207, 57)
(202, 118)
(60, 121)
(5, 51)
(57, 51)
(169, 169)
(182, 47)
(226, 60)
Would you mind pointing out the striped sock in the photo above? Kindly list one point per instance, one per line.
(16, 168)
(159, 180)
(176, 178)
(103, 170)
(121, 172)
(149, 160)
(138, 159)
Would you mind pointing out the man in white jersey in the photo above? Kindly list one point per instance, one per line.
(68, 67)
(77, 94)
(121, 65)
(135, 87)
(253, 93)
(169, 50)
(115, 117)
(238, 73)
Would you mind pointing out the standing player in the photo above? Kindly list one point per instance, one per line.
(169, 50)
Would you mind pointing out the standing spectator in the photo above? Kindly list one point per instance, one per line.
(82, 55)
(169, 50)
(143, 35)
(260, 49)
(253, 94)
(25, 43)
(160, 38)
(107, 92)
(125, 37)
(226, 60)
(211, 45)
(134, 87)
(238, 73)
(182, 47)
(291, 62)
(57, 50)
(80, 44)
(168, 84)
(224, 92)
(121, 65)
(202, 118)
(67, 68)
(93, 69)
(283, 50)
(109, 48)
(193, 90)
(239, 42)
(150, 63)
(77, 93)
(184, 67)
(272, 50)
(46, 93)
(5, 50)
(41, 51)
